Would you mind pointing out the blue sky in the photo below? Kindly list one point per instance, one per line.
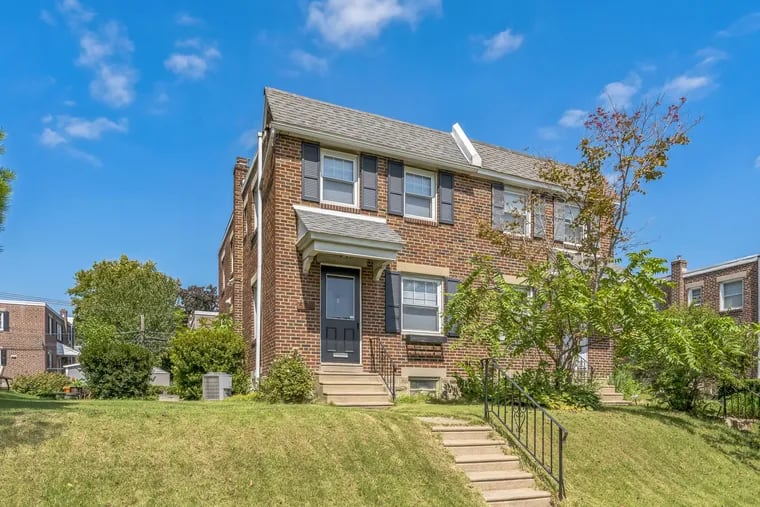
(124, 118)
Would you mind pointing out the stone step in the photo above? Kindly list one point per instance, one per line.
(461, 428)
(476, 450)
(493, 457)
(613, 403)
(364, 404)
(522, 497)
(490, 466)
(352, 398)
(607, 389)
(500, 480)
(336, 389)
(357, 378)
(472, 442)
(341, 368)
(454, 436)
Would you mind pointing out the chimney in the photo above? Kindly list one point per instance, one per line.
(64, 314)
(678, 290)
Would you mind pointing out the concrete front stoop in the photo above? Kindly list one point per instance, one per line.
(350, 386)
(481, 455)
(610, 397)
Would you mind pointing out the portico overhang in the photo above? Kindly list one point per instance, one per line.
(345, 238)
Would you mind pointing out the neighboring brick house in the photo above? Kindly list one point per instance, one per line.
(34, 338)
(731, 288)
(367, 224)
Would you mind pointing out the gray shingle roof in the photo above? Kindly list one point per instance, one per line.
(321, 116)
(327, 223)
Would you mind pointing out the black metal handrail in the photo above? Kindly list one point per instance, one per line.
(741, 403)
(534, 429)
(583, 372)
(382, 363)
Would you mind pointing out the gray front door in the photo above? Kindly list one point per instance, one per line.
(341, 339)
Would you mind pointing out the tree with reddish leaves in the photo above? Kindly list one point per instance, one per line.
(196, 297)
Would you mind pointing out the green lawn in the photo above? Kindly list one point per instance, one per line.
(194, 453)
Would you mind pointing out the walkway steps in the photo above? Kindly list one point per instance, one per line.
(350, 386)
(480, 454)
(610, 397)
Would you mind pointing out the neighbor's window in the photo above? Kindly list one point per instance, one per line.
(573, 231)
(339, 178)
(2, 321)
(732, 295)
(516, 212)
(3, 357)
(419, 193)
(418, 385)
(421, 305)
(695, 296)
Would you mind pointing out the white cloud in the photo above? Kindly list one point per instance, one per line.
(192, 65)
(308, 62)
(708, 56)
(114, 86)
(193, 42)
(501, 44)
(74, 12)
(48, 118)
(620, 93)
(185, 19)
(249, 139)
(51, 138)
(548, 133)
(47, 17)
(573, 118)
(757, 162)
(682, 85)
(160, 101)
(69, 103)
(350, 23)
(111, 40)
(82, 128)
(82, 155)
(745, 25)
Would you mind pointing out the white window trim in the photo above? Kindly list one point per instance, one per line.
(690, 298)
(2, 321)
(722, 295)
(433, 200)
(564, 225)
(439, 296)
(343, 156)
(527, 211)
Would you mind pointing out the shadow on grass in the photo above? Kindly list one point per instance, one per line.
(23, 420)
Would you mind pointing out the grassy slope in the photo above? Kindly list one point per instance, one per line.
(150, 453)
(637, 456)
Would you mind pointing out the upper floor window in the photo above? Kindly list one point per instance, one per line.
(732, 295)
(421, 305)
(419, 193)
(340, 182)
(4, 321)
(516, 212)
(695, 296)
(573, 231)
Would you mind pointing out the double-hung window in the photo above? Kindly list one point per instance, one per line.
(732, 295)
(573, 231)
(339, 178)
(2, 321)
(695, 296)
(516, 212)
(419, 194)
(421, 305)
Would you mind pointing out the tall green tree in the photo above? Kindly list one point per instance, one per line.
(126, 300)
(196, 297)
(6, 177)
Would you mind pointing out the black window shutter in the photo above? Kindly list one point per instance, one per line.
(395, 188)
(3, 358)
(559, 220)
(446, 198)
(497, 205)
(539, 217)
(310, 172)
(452, 285)
(369, 182)
(392, 302)
(6, 321)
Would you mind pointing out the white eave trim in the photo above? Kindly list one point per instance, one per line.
(723, 265)
(465, 146)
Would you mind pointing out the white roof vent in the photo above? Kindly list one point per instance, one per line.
(468, 150)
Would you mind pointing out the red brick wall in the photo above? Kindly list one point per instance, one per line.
(291, 298)
(26, 343)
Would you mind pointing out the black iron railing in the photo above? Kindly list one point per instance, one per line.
(740, 403)
(583, 372)
(507, 406)
(382, 363)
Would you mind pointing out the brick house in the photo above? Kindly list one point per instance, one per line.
(731, 288)
(363, 224)
(34, 338)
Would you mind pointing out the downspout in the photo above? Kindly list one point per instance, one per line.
(259, 261)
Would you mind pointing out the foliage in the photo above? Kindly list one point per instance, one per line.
(560, 311)
(687, 349)
(40, 384)
(251, 396)
(195, 352)
(116, 369)
(625, 383)
(114, 294)
(6, 177)
(289, 380)
(196, 297)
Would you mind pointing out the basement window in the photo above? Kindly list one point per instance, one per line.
(423, 385)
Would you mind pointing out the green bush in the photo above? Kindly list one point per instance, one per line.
(625, 383)
(40, 384)
(289, 381)
(195, 352)
(116, 369)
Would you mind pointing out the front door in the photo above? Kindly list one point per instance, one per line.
(341, 339)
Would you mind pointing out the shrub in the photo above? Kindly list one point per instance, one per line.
(195, 352)
(40, 384)
(625, 382)
(116, 369)
(289, 381)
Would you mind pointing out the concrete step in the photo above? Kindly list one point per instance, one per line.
(501, 480)
(452, 436)
(476, 450)
(490, 466)
(613, 403)
(364, 404)
(521, 497)
(491, 458)
(473, 442)
(461, 428)
(351, 398)
(357, 378)
(607, 390)
(341, 368)
(336, 389)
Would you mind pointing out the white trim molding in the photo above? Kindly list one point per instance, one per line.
(740, 275)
